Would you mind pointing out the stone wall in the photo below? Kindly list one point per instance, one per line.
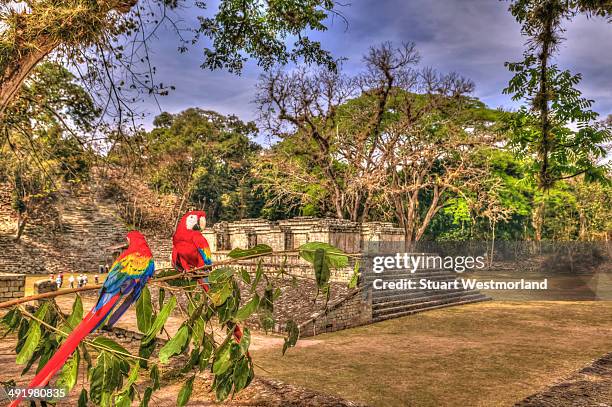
(11, 286)
(353, 310)
(44, 286)
(293, 264)
(289, 234)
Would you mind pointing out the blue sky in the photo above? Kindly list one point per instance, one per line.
(471, 37)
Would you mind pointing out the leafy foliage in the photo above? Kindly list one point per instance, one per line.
(114, 371)
(204, 156)
(542, 130)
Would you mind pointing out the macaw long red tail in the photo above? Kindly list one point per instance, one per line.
(85, 327)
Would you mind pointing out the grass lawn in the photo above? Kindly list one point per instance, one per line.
(31, 279)
(486, 354)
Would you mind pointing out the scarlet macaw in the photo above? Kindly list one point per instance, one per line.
(127, 277)
(191, 250)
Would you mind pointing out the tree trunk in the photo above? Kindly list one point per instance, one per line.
(541, 103)
(21, 224)
(18, 71)
(492, 244)
(538, 221)
(582, 234)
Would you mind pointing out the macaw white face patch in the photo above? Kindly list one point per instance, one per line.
(192, 220)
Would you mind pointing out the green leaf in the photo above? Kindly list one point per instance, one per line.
(69, 374)
(146, 350)
(146, 397)
(205, 353)
(355, 276)
(267, 303)
(83, 398)
(334, 257)
(123, 400)
(266, 320)
(248, 309)
(37, 354)
(49, 349)
(222, 359)
(175, 345)
(254, 251)
(12, 320)
(109, 344)
(277, 293)
(86, 355)
(30, 344)
(76, 316)
(32, 337)
(321, 268)
(104, 378)
(258, 275)
(185, 393)
(220, 293)
(246, 277)
(155, 377)
(223, 385)
(245, 341)
(144, 311)
(241, 374)
(161, 296)
(22, 334)
(194, 359)
(220, 275)
(160, 320)
(198, 330)
(293, 334)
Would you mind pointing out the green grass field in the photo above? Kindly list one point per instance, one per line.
(486, 354)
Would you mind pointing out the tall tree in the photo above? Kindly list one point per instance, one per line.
(205, 158)
(381, 139)
(109, 39)
(41, 150)
(555, 102)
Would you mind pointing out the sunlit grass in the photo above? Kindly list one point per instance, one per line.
(31, 279)
(487, 354)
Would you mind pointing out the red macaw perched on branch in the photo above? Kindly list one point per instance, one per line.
(190, 249)
(127, 277)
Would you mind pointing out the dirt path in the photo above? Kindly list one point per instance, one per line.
(591, 386)
(262, 392)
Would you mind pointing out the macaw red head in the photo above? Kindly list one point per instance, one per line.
(193, 220)
(135, 237)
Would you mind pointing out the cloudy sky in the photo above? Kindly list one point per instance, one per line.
(471, 37)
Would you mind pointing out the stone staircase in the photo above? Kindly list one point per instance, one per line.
(74, 241)
(388, 304)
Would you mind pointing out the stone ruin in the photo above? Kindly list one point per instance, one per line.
(353, 307)
(289, 234)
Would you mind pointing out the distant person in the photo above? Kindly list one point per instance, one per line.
(61, 277)
(96, 279)
(101, 269)
(84, 280)
(106, 268)
(71, 281)
(51, 276)
(80, 280)
(58, 282)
